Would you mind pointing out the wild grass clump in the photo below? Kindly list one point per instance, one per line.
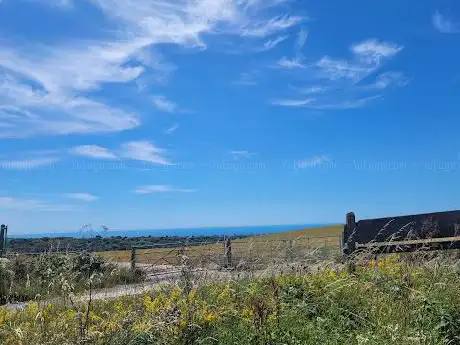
(393, 300)
(23, 278)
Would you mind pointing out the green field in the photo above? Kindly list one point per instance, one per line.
(254, 248)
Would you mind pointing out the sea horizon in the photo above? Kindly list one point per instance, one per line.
(177, 232)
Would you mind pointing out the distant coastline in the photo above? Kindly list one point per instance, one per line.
(180, 232)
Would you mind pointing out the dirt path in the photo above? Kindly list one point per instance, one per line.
(157, 276)
(153, 281)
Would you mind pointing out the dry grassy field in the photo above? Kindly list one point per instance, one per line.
(254, 248)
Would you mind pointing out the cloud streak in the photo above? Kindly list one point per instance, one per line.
(286, 63)
(22, 204)
(81, 196)
(141, 150)
(272, 43)
(93, 151)
(301, 39)
(444, 24)
(172, 129)
(163, 104)
(293, 102)
(144, 151)
(153, 189)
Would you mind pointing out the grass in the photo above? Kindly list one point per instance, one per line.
(29, 277)
(260, 248)
(410, 300)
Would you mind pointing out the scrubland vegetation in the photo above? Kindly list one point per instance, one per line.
(36, 277)
(410, 299)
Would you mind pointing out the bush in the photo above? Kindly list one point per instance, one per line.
(28, 277)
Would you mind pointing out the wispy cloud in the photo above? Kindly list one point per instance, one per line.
(27, 164)
(347, 104)
(144, 151)
(264, 28)
(241, 154)
(313, 162)
(445, 24)
(141, 150)
(81, 196)
(272, 43)
(151, 189)
(163, 104)
(293, 102)
(93, 151)
(250, 78)
(23, 204)
(338, 70)
(64, 4)
(301, 39)
(343, 83)
(31, 111)
(284, 62)
(373, 51)
(388, 79)
(312, 90)
(49, 88)
(172, 129)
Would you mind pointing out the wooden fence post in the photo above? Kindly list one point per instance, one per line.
(3, 240)
(133, 258)
(228, 253)
(349, 244)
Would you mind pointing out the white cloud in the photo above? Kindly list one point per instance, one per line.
(342, 83)
(313, 162)
(21, 204)
(28, 111)
(172, 129)
(290, 63)
(143, 151)
(293, 102)
(163, 104)
(136, 150)
(27, 164)
(270, 44)
(301, 39)
(313, 89)
(444, 24)
(368, 57)
(266, 28)
(387, 79)
(347, 104)
(374, 51)
(81, 196)
(93, 151)
(241, 154)
(51, 86)
(336, 69)
(151, 189)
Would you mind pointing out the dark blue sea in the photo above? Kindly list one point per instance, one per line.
(183, 232)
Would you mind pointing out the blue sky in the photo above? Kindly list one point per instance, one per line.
(181, 113)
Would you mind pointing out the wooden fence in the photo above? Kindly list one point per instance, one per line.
(231, 253)
(428, 231)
